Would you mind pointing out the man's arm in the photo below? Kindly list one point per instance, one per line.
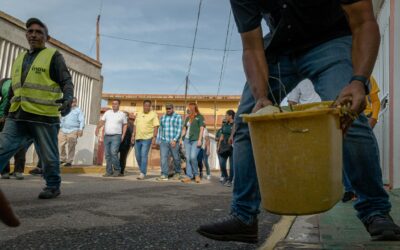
(365, 46)
(255, 66)
(124, 127)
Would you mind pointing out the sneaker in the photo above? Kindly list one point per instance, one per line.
(162, 178)
(36, 171)
(197, 179)
(230, 228)
(176, 176)
(222, 179)
(382, 227)
(5, 176)
(347, 196)
(228, 184)
(208, 177)
(49, 193)
(107, 175)
(19, 176)
(62, 162)
(141, 176)
(67, 164)
(186, 180)
(117, 174)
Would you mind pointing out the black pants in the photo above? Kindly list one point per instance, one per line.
(19, 162)
(123, 155)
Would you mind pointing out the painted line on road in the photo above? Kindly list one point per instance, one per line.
(278, 232)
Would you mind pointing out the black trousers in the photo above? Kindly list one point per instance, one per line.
(123, 155)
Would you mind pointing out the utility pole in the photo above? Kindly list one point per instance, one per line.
(186, 92)
(98, 39)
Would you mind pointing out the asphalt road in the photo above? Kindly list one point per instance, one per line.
(119, 213)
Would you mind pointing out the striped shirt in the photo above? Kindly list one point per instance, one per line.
(170, 128)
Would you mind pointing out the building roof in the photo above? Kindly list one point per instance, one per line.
(52, 41)
(169, 97)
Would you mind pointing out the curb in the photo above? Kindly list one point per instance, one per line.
(279, 232)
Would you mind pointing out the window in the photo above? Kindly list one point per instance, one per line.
(180, 108)
(157, 107)
(133, 104)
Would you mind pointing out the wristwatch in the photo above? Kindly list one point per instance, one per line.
(362, 79)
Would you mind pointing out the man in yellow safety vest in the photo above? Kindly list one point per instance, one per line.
(41, 89)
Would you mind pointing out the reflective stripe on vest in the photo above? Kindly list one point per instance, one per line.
(37, 95)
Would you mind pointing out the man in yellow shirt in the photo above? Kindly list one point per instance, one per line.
(144, 135)
(373, 103)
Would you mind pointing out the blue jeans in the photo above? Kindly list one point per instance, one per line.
(19, 134)
(329, 67)
(346, 183)
(165, 151)
(203, 157)
(224, 172)
(142, 148)
(111, 145)
(192, 151)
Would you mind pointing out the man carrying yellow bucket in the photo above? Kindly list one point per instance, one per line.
(334, 43)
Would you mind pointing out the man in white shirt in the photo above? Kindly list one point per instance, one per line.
(115, 124)
(303, 93)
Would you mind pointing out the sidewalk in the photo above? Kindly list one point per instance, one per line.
(338, 228)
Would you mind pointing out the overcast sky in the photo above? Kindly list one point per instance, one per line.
(131, 67)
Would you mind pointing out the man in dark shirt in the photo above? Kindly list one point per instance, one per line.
(41, 89)
(334, 43)
(126, 144)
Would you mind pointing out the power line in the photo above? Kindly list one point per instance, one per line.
(162, 44)
(225, 54)
(191, 56)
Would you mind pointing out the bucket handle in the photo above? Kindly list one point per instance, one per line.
(296, 130)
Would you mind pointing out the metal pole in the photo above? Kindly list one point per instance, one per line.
(98, 39)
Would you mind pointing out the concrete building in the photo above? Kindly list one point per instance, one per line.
(387, 74)
(207, 104)
(85, 71)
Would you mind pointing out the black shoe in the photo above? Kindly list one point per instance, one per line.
(67, 165)
(347, 196)
(49, 193)
(116, 174)
(230, 228)
(382, 227)
(36, 171)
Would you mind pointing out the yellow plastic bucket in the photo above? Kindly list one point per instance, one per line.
(298, 158)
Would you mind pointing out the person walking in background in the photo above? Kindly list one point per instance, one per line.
(372, 112)
(203, 155)
(192, 135)
(40, 82)
(169, 134)
(115, 125)
(225, 148)
(72, 126)
(144, 135)
(217, 137)
(126, 144)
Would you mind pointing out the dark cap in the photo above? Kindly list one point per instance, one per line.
(35, 20)
(169, 105)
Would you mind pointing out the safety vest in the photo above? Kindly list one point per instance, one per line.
(38, 93)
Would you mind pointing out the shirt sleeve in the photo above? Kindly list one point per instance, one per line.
(247, 14)
(178, 128)
(201, 121)
(81, 119)
(156, 122)
(60, 74)
(104, 117)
